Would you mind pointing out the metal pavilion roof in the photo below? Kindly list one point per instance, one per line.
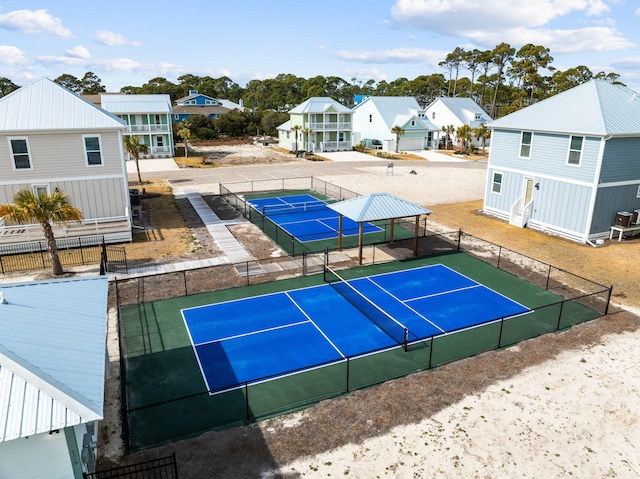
(52, 354)
(45, 105)
(377, 206)
(596, 108)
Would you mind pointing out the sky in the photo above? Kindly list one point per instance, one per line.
(130, 42)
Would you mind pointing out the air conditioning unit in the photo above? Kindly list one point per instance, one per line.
(635, 218)
(623, 219)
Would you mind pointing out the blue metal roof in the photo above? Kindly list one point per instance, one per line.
(378, 206)
(596, 108)
(52, 354)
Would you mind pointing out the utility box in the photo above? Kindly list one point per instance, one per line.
(623, 219)
(635, 218)
(135, 197)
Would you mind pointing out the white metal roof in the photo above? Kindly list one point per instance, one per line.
(121, 103)
(397, 110)
(465, 109)
(52, 354)
(596, 107)
(320, 104)
(45, 105)
(377, 206)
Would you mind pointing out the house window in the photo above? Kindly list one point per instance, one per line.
(370, 118)
(159, 141)
(525, 144)
(575, 150)
(478, 117)
(20, 153)
(433, 115)
(92, 150)
(288, 134)
(496, 186)
(341, 136)
(41, 190)
(176, 117)
(413, 123)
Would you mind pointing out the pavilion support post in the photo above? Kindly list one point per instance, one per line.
(391, 230)
(416, 231)
(339, 232)
(360, 229)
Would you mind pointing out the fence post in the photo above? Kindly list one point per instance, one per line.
(560, 315)
(304, 263)
(293, 246)
(459, 236)
(184, 280)
(246, 399)
(500, 334)
(247, 266)
(606, 308)
(548, 278)
(430, 353)
(81, 250)
(499, 256)
(348, 373)
(373, 255)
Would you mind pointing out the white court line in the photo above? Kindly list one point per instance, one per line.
(477, 285)
(251, 333)
(315, 325)
(406, 305)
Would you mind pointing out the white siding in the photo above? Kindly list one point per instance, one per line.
(36, 457)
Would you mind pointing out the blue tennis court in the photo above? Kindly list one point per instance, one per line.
(251, 339)
(307, 218)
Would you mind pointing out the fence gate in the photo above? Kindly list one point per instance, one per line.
(114, 259)
(162, 468)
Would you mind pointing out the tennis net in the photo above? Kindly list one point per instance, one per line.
(387, 323)
(302, 207)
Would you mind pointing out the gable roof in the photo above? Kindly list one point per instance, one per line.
(319, 104)
(596, 107)
(464, 109)
(52, 354)
(377, 206)
(121, 103)
(397, 110)
(45, 105)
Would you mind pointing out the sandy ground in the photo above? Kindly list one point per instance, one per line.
(575, 415)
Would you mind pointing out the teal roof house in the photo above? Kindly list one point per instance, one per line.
(569, 164)
(319, 124)
(375, 116)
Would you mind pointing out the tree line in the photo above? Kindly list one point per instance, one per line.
(501, 80)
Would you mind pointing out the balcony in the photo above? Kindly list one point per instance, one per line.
(335, 146)
(148, 129)
(331, 126)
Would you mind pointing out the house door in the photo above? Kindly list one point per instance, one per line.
(527, 192)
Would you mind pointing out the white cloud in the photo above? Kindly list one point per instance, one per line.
(11, 56)
(456, 16)
(78, 52)
(34, 21)
(112, 39)
(398, 55)
(627, 64)
(365, 74)
(592, 39)
(638, 12)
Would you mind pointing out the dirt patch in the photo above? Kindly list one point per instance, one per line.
(255, 242)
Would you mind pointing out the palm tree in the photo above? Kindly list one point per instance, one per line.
(185, 134)
(463, 133)
(482, 133)
(398, 131)
(448, 130)
(306, 132)
(295, 129)
(43, 209)
(135, 148)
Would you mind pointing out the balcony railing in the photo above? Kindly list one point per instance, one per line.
(114, 229)
(148, 128)
(341, 125)
(335, 145)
